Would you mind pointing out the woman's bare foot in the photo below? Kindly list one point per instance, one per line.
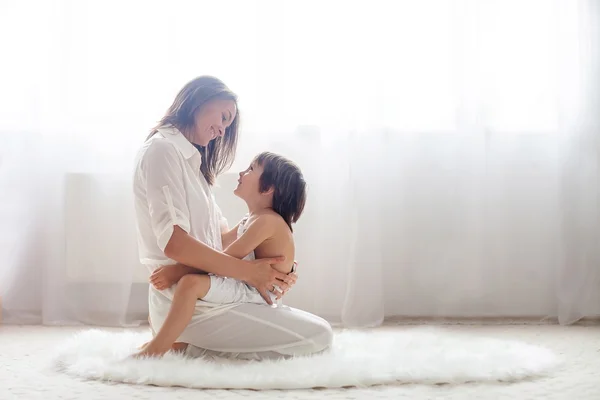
(150, 350)
(178, 346)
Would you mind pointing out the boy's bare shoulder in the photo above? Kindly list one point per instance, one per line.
(271, 218)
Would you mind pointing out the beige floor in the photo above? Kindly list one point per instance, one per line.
(24, 352)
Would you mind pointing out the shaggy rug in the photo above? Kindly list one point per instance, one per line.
(357, 358)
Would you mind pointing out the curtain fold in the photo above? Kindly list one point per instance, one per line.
(451, 149)
(579, 273)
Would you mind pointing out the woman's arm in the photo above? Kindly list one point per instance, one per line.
(260, 230)
(186, 250)
(189, 251)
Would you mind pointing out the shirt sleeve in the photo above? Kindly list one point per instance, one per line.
(223, 223)
(165, 191)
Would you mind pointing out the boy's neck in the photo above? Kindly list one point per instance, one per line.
(258, 207)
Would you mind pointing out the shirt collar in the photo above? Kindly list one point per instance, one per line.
(176, 137)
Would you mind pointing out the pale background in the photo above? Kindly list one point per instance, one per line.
(451, 148)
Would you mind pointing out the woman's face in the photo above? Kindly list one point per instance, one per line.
(212, 120)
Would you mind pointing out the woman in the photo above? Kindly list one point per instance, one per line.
(178, 221)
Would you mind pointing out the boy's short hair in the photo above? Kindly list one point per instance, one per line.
(287, 181)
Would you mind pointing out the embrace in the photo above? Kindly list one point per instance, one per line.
(213, 288)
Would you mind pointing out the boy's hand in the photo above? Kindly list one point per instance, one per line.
(166, 276)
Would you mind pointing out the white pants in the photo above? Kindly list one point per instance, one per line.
(249, 331)
(254, 331)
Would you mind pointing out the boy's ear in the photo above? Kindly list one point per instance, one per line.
(269, 190)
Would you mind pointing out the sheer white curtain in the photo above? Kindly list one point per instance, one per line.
(579, 272)
(451, 149)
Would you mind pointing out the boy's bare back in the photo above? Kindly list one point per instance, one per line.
(279, 243)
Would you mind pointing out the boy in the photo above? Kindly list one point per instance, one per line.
(275, 192)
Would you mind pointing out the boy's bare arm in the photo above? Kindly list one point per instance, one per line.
(228, 236)
(258, 231)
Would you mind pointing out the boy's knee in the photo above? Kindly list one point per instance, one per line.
(194, 282)
(189, 281)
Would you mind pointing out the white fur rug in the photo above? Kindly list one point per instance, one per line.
(357, 358)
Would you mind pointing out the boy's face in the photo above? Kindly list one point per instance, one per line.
(248, 187)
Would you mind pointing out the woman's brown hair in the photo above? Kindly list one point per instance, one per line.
(219, 154)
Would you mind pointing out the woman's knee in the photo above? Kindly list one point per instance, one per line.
(319, 334)
(318, 338)
(323, 337)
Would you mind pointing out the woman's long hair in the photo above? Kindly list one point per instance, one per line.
(219, 154)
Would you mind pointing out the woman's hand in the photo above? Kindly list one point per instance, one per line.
(265, 278)
(291, 282)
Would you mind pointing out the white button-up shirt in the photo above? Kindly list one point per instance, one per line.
(170, 190)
